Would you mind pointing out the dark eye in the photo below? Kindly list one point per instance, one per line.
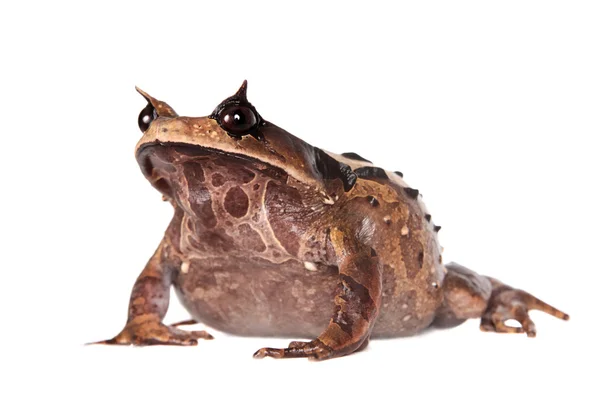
(237, 120)
(146, 117)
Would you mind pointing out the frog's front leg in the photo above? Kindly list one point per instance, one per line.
(357, 301)
(469, 295)
(148, 305)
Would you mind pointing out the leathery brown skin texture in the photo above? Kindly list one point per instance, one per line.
(246, 277)
(273, 237)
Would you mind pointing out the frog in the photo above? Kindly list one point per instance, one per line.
(274, 237)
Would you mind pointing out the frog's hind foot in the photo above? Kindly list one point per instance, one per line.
(156, 333)
(470, 295)
(507, 303)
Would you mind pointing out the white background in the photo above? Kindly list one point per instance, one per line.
(490, 109)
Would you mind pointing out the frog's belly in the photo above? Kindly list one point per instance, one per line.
(245, 297)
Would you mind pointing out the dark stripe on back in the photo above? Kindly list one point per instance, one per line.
(330, 168)
(370, 173)
(354, 156)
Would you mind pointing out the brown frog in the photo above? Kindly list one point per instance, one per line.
(274, 237)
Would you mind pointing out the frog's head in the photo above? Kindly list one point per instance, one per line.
(236, 132)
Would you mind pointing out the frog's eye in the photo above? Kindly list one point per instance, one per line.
(238, 120)
(146, 117)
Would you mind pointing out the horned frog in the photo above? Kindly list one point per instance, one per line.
(274, 237)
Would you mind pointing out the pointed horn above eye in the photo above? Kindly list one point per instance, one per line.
(146, 95)
(162, 108)
(241, 93)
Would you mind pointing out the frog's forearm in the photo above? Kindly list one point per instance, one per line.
(357, 302)
(150, 293)
(148, 306)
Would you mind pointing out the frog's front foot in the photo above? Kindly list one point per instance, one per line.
(314, 349)
(507, 303)
(153, 332)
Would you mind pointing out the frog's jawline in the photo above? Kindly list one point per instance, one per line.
(196, 151)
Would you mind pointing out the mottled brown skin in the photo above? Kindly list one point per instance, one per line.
(274, 237)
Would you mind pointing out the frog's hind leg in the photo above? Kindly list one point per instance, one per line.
(470, 295)
(466, 295)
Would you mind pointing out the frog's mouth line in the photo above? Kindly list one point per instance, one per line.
(195, 151)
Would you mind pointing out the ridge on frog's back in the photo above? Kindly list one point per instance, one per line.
(274, 237)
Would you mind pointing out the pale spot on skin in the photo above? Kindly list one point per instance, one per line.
(406, 318)
(404, 230)
(404, 306)
(207, 294)
(327, 199)
(387, 219)
(310, 266)
(185, 267)
(310, 292)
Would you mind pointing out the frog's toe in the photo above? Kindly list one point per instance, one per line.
(184, 322)
(495, 322)
(315, 350)
(193, 336)
(513, 304)
(201, 335)
(108, 341)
